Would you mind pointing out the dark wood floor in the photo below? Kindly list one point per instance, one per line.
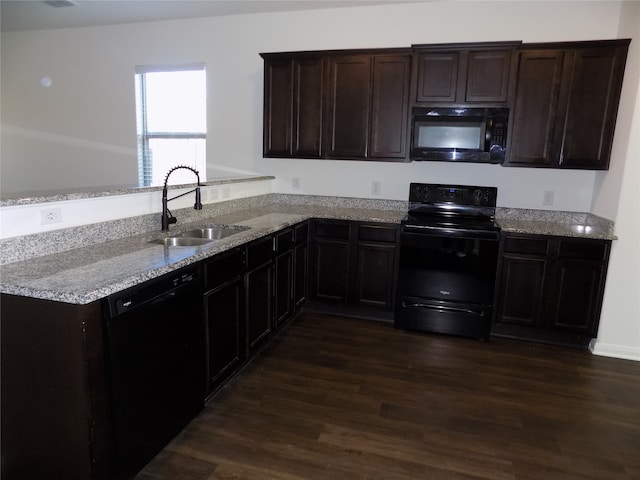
(337, 398)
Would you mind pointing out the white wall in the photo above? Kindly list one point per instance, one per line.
(90, 106)
(616, 197)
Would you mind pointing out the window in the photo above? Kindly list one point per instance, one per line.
(171, 123)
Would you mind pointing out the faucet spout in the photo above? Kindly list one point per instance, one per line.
(167, 217)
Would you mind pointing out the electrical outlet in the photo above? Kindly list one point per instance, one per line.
(225, 192)
(50, 215)
(547, 199)
(295, 183)
(375, 188)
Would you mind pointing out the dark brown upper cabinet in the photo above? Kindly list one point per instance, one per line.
(368, 106)
(293, 92)
(337, 104)
(465, 73)
(349, 106)
(566, 104)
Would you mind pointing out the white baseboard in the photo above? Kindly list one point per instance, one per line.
(615, 351)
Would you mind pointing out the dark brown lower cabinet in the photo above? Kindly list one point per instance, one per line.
(54, 415)
(283, 276)
(258, 281)
(330, 272)
(375, 271)
(354, 264)
(290, 271)
(300, 264)
(550, 288)
(223, 310)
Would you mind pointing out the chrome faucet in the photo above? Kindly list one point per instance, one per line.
(167, 217)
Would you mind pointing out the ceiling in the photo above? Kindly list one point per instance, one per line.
(18, 15)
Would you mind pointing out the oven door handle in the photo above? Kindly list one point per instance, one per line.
(444, 308)
(450, 232)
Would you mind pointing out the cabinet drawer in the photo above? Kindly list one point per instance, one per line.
(301, 233)
(284, 240)
(223, 268)
(584, 249)
(377, 233)
(259, 252)
(531, 246)
(332, 230)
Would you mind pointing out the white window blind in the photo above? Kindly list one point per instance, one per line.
(171, 122)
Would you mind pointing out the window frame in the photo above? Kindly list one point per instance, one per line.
(145, 162)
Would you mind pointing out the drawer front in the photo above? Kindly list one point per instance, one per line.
(223, 268)
(332, 230)
(377, 233)
(259, 252)
(526, 245)
(584, 249)
(284, 240)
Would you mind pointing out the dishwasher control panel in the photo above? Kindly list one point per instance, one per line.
(131, 298)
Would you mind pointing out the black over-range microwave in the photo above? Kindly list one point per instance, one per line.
(459, 134)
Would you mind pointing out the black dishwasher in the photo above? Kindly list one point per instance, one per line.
(156, 361)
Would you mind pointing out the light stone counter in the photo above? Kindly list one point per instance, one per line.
(83, 275)
(103, 259)
(564, 224)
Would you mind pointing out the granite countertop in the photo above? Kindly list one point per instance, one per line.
(86, 274)
(89, 273)
(555, 228)
(36, 197)
(564, 224)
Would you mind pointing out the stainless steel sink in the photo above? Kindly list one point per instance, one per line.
(182, 241)
(199, 236)
(211, 233)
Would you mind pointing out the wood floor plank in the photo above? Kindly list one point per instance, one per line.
(337, 398)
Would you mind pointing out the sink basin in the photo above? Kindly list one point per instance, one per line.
(182, 241)
(199, 236)
(211, 233)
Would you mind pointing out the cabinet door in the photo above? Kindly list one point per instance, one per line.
(258, 292)
(278, 107)
(536, 108)
(349, 106)
(293, 90)
(521, 290)
(375, 275)
(308, 90)
(258, 305)
(283, 286)
(488, 74)
(437, 77)
(579, 296)
(579, 283)
(331, 270)
(389, 113)
(592, 96)
(300, 267)
(223, 314)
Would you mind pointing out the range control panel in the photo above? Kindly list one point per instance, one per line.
(433, 193)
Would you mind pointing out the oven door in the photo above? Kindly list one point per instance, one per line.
(446, 281)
